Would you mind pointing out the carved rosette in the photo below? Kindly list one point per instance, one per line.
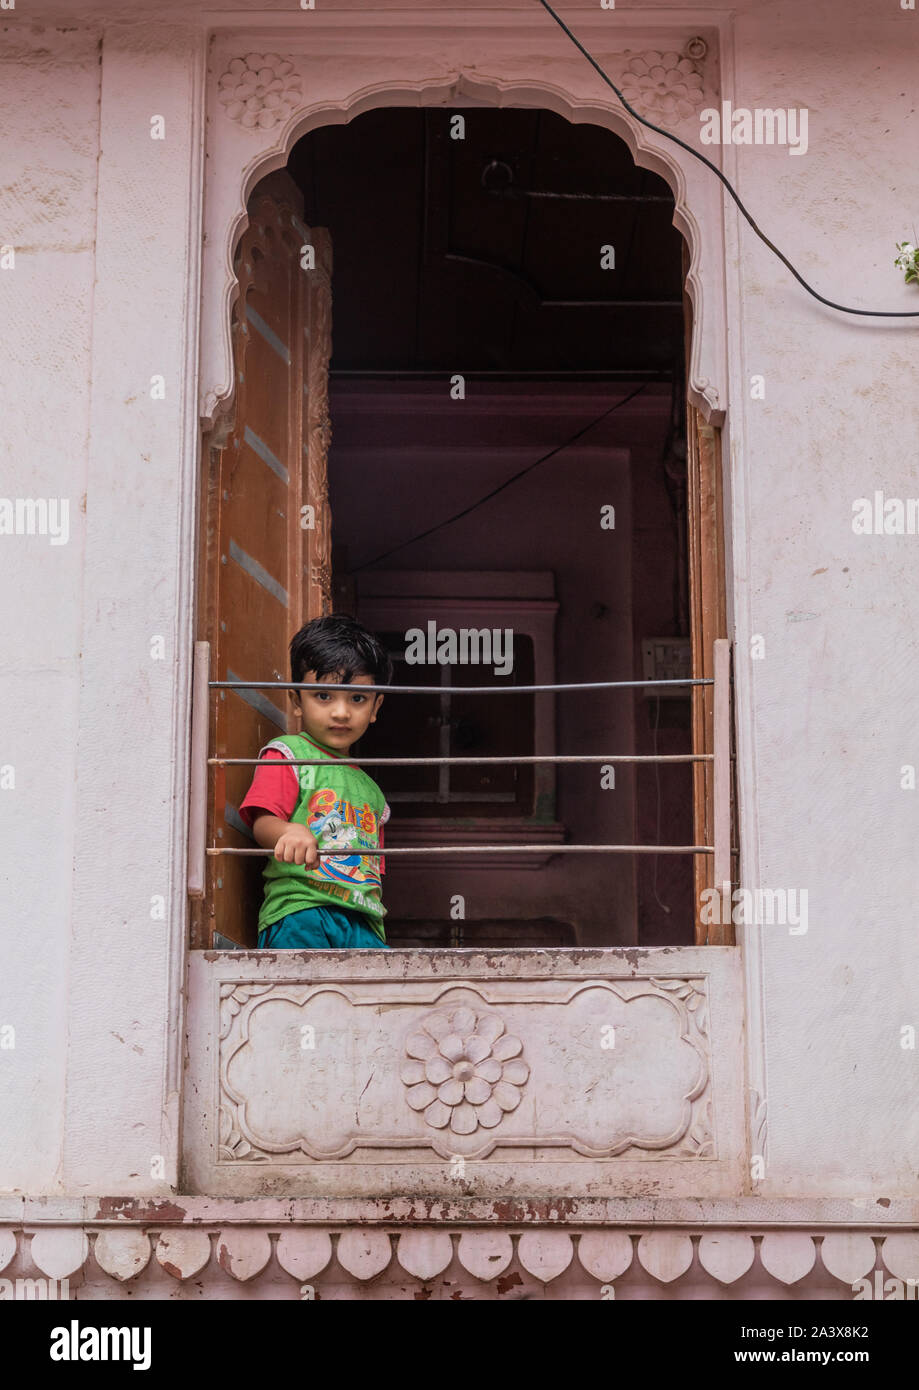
(260, 90)
(668, 86)
(463, 1070)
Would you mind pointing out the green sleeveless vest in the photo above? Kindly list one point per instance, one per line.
(344, 808)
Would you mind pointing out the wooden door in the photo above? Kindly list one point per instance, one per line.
(708, 621)
(265, 548)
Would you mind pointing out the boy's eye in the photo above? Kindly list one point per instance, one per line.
(326, 695)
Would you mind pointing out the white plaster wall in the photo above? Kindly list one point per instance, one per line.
(833, 703)
(92, 830)
(825, 720)
(139, 539)
(49, 112)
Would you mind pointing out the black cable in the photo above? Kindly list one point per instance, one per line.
(843, 309)
(501, 486)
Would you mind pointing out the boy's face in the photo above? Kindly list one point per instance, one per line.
(336, 718)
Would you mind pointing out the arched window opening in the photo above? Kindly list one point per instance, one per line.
(460, 408)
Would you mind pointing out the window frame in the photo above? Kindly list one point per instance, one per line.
(523, 600)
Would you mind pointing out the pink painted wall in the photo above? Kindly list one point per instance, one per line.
(108, 226)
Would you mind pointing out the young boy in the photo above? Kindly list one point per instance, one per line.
(333, 902)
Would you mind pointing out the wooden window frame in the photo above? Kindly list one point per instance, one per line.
(708, 624)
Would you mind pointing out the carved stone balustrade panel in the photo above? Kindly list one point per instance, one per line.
(349, 1073)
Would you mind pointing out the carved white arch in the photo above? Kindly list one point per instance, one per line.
(239, 158)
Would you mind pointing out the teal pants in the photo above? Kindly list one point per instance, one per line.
(322, 929)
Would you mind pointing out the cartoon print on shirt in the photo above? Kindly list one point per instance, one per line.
(335, 824)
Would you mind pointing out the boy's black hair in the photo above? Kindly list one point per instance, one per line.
(338, 646)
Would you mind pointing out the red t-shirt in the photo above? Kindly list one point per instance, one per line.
(274, 789)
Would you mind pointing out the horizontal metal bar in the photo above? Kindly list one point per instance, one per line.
(455, 689)
(495, 374)
(672, 304)
(581, 197)
(489, 849)
(482, 799)
(477, 762)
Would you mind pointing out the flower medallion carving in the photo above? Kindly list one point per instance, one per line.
(463, 1070)
(664, 84)
(259, 90)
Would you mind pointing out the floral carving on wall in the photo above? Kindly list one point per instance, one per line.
(260, 90)
(666, 85)
(463, 1070)
(459, 1063)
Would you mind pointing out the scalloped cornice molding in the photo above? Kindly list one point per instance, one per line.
(134, 1260)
